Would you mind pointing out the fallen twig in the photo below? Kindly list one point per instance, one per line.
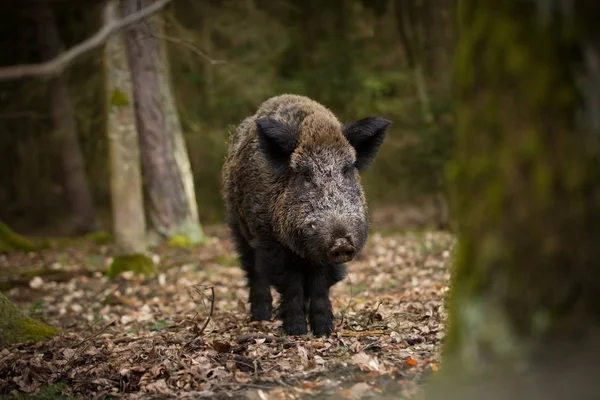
(350, 300)
(363, 333)
(95, 334)
(48, 275)
(373, 313)
(212, 308)
(199, 289)
(268, 338)
(266, 386)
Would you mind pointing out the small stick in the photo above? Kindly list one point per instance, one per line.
(94, 335)
(212, 309)
(268, 338)
(363, 333)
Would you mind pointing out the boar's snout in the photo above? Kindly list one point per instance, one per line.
(342, 251)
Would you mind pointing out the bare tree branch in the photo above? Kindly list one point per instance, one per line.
(59, 63)
(190, 46)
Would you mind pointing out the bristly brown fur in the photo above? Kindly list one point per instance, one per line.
(292, 191)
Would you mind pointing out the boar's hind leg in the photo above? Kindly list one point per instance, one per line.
(260, 289)
(320, 313)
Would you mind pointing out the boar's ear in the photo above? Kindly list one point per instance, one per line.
(366, 136)
(277, 140)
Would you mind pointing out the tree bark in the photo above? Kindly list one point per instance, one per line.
(192, 228)
(129, 223)
(75, 179)
(524, 304)
(168, 181)
(408, 20)
(17, 327)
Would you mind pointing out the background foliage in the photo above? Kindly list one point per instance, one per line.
(226, 58)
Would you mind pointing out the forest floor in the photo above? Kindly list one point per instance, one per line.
(186, 334)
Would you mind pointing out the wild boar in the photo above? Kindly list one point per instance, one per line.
(295, 205)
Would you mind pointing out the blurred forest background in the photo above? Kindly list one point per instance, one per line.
(390, 58)
(78, 155)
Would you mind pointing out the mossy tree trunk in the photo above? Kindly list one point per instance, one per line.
(76, 185)
(168, 181)
(525, 298)
(17, 327)
(129, 223)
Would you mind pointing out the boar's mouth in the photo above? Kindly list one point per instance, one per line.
(325, 248)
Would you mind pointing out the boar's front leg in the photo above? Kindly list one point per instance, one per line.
(292, 307)
(320, 313)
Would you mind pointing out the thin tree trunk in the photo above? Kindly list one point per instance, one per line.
(129, 223)
(524, 306)
(75, 180)
(409, 27)
(168, 181)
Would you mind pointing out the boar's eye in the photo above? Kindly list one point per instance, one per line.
(348, 170)
(307, 176)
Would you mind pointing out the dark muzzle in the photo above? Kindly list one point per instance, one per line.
(342, 251)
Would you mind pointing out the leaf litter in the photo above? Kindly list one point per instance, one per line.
(185, 333)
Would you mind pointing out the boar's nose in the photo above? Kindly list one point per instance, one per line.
(342, 251)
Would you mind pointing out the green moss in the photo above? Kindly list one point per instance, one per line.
(50, 392)
(100, 237)
(16, 326)
(118, 98)
(12, 241)
(179, 241)
(137, 263)
(158, 325)
(227, 260)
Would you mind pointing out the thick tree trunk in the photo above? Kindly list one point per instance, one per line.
(525, 305)
(129, 223)
(75, 180)
(192, 228)
(17, 327)
(168, 180)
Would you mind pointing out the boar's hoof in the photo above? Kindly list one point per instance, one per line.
(324, 330)
(322, 324)
(342, 251)
(260, 313)
(295, 327)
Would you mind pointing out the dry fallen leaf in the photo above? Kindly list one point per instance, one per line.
(366, 362)
(412, 362)
(309, 385)
(358, 390)
(221, 347)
